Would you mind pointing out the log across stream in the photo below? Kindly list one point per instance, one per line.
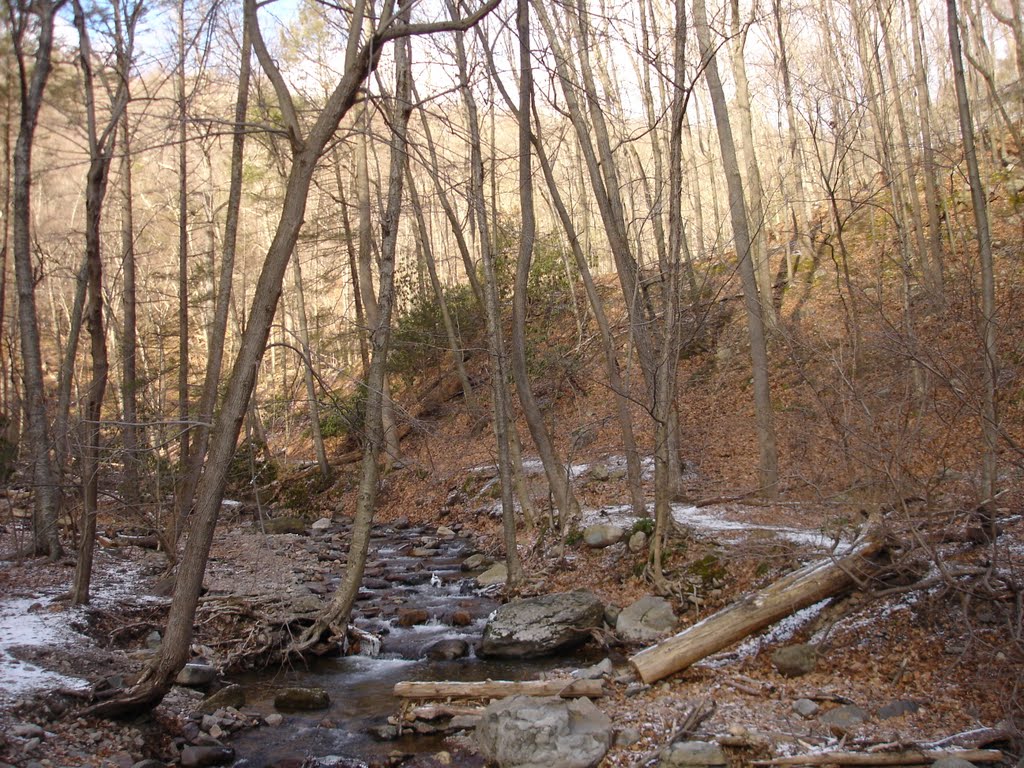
(361, 687)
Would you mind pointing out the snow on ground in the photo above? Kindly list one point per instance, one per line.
(32, 622)
(41, 625)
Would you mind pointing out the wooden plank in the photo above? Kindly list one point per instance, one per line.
(908, 757)
(488, 689)
(758, 610)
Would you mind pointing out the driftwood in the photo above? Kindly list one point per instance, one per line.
(758, 610)
(909, 757)
(486, 689)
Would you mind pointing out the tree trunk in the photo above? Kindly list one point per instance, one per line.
(987, 320)
(554, 467)
(307, 374)
(32, 81)
(183, 332)
(769, 470)
(755, 190)
(492, 311)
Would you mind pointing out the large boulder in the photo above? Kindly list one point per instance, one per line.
(647, 620)
(537, 626)
(543, 732)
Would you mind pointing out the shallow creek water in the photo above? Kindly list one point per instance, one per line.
(360, 687)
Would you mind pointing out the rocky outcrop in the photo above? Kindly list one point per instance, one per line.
(538, 626)
(543, 732)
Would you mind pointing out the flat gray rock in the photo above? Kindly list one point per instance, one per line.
(543, 732)
(647, 620)
(692, 753)
(538, 626)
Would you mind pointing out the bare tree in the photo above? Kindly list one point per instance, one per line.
(987, 320)
(36, 19)
(101, 151)
(769, 469)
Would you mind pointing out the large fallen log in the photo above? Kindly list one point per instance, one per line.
(909, 757)
(488, 689)
(757, 610)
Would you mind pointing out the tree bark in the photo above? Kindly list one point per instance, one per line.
(987, 320)
(554, 467)
(32, 78)
(769, 470)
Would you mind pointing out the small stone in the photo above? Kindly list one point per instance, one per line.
(443, 758)
(460, 619)
(323, 524)
(208, 722)
(149, 763)
(476, 561)
(603, 668)
(795, 660)
(383, 732)
(897, 708)
(843, 720)
(692, 753)
(228, 696)
(197, 757)
(196, 675)
(153, 640)
(302, 698)
(216, 731)
(424, 551)
(447, 650)
(611, 614)
(627, 737)
(274, 719)
(805, 708)
(410, 617)
(637, 542)
(444, 532)
(600, 473)
(647, 620)
(28, 731)
(496, 574)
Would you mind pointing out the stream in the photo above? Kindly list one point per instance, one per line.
(408, 570)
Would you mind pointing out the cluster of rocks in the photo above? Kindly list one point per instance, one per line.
(538, 626)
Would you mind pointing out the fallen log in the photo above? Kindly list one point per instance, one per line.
(908, 757)
(490, 689)
(757, 610)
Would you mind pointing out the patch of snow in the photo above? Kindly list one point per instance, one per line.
(779, 632)
(693, 517)
(40, 628)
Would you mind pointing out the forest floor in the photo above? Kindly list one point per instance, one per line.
(881, 422)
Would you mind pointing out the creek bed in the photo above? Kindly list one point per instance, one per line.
(360, 687)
